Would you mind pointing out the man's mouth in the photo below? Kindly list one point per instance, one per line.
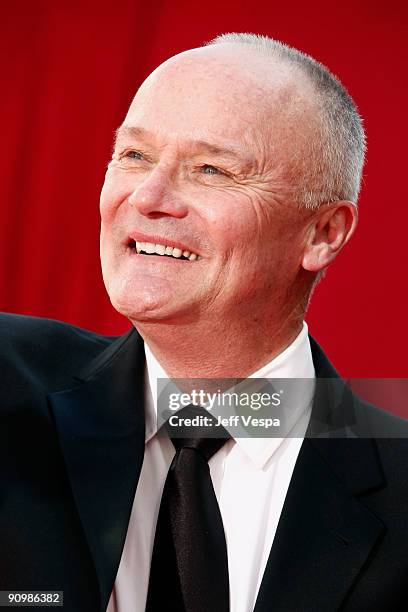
(150, 248)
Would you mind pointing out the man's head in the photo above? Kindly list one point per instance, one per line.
(329, 168)
(246, 154)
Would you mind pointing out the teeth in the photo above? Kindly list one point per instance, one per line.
(161, 249)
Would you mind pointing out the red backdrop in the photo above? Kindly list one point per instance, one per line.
(69, 72)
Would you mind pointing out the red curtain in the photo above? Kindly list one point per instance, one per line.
(69, 72)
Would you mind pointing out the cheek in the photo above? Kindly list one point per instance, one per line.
(107, 203)
(230, 222)
(113, 194)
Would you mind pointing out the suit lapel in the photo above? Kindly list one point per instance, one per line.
(323, 539)
(325, 534)
(100, 425)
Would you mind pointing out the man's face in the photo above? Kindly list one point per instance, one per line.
(199, 167)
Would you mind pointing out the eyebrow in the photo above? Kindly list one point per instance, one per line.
(129, 131)
(134, 132)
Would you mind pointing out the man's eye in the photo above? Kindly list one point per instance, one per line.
(133, 155)
(208, 169)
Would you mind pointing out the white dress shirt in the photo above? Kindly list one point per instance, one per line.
(250, 476)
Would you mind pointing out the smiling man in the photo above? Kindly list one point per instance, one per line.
(217, 159)
(233, 185)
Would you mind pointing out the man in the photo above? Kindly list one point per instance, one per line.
(233, 185)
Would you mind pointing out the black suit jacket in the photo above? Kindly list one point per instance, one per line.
(71, 450)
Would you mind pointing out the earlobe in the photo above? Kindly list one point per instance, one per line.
(332, 228)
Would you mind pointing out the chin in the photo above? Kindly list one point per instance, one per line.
(136, 310)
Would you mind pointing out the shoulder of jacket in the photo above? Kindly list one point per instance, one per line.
(34, 348)
(24, 329)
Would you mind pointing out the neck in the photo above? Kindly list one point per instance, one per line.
(207, 350)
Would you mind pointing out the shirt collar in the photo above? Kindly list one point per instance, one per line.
(294, 362)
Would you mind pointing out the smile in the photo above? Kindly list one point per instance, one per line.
(149, 248)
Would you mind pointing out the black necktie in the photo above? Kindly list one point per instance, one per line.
(189, 569)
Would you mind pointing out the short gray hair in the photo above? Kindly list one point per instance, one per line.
(335, 161)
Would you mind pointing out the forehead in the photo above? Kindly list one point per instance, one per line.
(218, 94)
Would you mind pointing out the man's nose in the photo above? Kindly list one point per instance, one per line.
(158, 196)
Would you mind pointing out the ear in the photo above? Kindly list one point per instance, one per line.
(332, 227)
